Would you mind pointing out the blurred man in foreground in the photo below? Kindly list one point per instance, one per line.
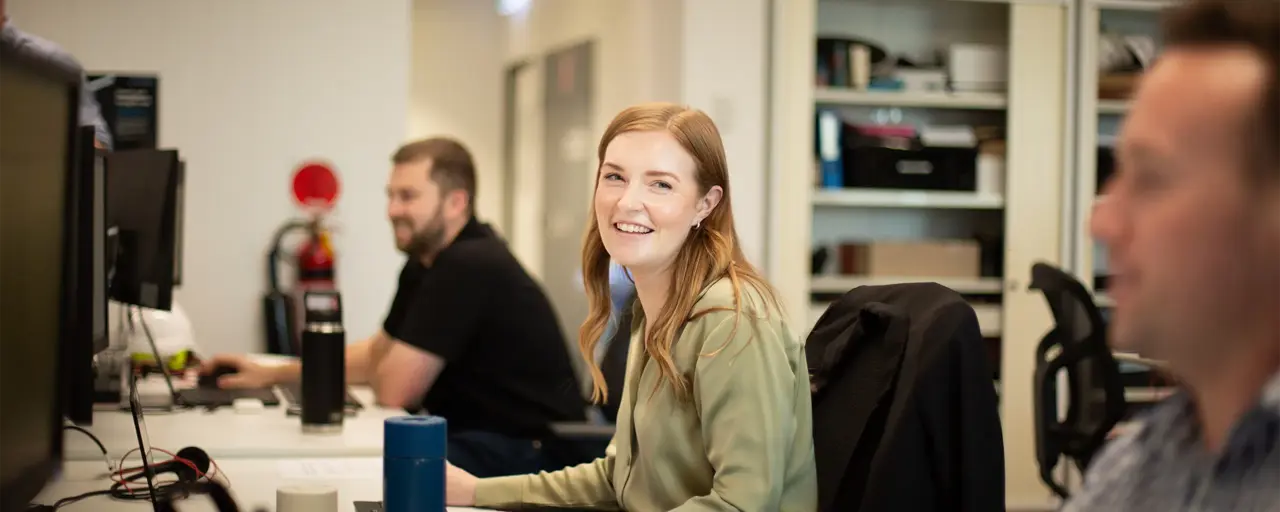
(1192, 222)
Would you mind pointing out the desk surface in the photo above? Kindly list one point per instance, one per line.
(224, 433)
(253, 484)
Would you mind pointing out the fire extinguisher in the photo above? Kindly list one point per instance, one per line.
(277, 305)
(314, 262)
(315, 273)
(315, 190)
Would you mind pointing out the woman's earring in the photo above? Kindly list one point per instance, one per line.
(697, 224)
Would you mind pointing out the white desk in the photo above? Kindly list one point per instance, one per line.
(253, 485)
(226, 434)
(1131, 358)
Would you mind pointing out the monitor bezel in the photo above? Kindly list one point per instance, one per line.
(32, 479)
(80, 346)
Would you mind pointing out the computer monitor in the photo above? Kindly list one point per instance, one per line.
(38, 120)
(87, 282)
(142, 199)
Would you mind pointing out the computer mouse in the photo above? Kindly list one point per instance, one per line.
(210, 380)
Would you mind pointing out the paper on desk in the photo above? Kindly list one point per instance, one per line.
(330, 469)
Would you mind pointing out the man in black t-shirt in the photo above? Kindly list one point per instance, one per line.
(470, 335)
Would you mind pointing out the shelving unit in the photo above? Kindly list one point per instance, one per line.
(1113, 107)
(1027, 214)
(916, 30)
(872, 198)
(1132, 5)
(841, 284)
(952, 100)
(1098, 121)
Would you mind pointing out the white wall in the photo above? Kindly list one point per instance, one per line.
(247, 90)
(630, 66)
(725, 73)
(456, 88)
(710, 54)
(622, 75)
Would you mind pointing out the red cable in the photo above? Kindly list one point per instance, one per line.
(118, 475)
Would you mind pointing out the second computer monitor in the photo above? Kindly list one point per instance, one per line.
(86, 283)
(142, 205)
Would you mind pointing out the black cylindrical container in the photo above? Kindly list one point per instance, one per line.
(323, 362)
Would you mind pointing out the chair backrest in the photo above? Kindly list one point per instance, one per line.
(902, 393)
(613, 363)
(1078, 345)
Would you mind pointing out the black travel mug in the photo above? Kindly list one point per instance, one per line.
(323, 362)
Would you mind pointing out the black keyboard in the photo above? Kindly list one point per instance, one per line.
(293, 394)
(215, 397)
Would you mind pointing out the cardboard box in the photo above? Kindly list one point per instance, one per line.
(932, 259)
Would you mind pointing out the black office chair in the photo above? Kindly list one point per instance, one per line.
(595, 437)
(1077, 344)
(613, 364)
(904, 413)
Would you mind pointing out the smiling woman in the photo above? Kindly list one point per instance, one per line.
(715, 410)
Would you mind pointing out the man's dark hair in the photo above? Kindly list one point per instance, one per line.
(1255, 26)
(451, 165)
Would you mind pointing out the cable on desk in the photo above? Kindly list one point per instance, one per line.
(73, 499)
(121, 490)
(105, 457)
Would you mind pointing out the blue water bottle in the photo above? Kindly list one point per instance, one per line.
(413, 462)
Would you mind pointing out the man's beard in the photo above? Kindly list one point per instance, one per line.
(427, 241)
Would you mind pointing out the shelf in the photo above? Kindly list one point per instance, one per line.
(934, 3)
(990, 319)
(842, 284)
(1135, 359)
(1103, 300)
(950, 100)
(1113, 107)
(882, 198)
(1134, 5)
(1147, 395)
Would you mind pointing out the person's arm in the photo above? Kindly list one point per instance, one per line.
(743, 389)
(587, 485)
(361, 357)
(402, 374)
(435, 324)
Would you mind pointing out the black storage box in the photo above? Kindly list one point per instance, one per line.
(1106, 166)
(901, 163)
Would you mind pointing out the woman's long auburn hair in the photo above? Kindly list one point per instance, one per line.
(710, 253)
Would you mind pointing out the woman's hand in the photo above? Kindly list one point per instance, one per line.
(459, 487)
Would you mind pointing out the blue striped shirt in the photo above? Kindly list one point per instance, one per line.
(1163, 465)
(621, 289)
